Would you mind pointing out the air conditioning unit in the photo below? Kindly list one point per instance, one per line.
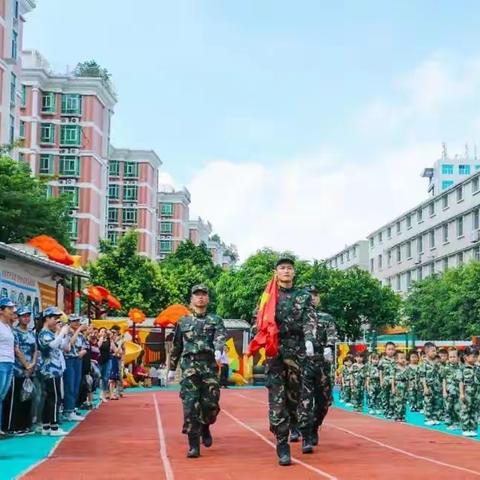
(475, 236)
(74, 119)
(73, 151)
(63, 151)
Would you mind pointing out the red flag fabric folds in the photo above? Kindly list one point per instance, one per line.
(267, 329)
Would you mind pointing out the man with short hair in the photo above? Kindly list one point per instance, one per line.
(198, 343)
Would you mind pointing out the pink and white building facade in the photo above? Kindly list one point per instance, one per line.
(132, 197)
(65, 124)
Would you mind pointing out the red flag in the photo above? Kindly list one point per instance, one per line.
(267, 329)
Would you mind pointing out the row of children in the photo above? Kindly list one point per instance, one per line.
(443, 385)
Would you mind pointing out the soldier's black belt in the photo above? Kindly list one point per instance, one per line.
(201, 356)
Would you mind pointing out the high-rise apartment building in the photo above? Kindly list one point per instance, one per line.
(448, 171)
(173, 220)
(65, 124)
(12, 17)
(132, 196)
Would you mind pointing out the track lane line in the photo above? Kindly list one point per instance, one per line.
(167, 467)
(384, 445)
(266, 440)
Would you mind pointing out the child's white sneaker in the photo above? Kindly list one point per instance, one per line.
(430, 422)
(58, 432)
(451, 427)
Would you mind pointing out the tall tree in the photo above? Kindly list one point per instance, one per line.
(26, 211)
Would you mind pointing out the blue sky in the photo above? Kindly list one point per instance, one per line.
(333, 91)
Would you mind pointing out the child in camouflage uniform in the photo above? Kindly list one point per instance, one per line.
(373, 385)
(387, 367)
(358, 382)
(415, 389)
(442, 364)
(346, 379)
(400, 387)
(432, 386)
(451, 390)
(469, 385)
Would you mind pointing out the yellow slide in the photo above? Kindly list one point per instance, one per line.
(132, 352)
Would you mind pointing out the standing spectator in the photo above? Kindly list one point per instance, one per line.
(52, 368)
(74, 351)
(7, 357)
(153, 374)
(224, 365)
(86, 384)
(105, 363)
(116, 358)
(19, 413)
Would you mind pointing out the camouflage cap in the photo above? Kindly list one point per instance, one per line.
(199, 288)
(285, 259)
(312, 289)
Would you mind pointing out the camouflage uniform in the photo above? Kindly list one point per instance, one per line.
(195, 340)
(316, 394)
(468, 375)
(283, 373)
(358, 376)
(347, 384)
(401, 377)
(415, 389)
(387, 367)
(374, 390)
(433, 402)
(451, 377)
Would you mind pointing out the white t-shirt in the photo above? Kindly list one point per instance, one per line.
(7, 353)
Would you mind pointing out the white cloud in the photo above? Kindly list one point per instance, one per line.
(314, 206)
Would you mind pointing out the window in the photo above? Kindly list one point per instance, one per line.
(48, 102)
(476, 219)
(129, 215)
(475, 183)
(460, 258)
(431, 209)
(130, 169)
(114, 192)
(398, 282)
(15, 9)
(447, 169)
(71, 104)
(464, 169)
(12, 129)
(341, 258)
(21, 132)
(420, 215)
(408, 279)
(399, 230)
(445, 201)
(380, 261)
(70, 165)
(13, 88)
(419, 274)
(113, 237)
(48, 191)
(445, 264)
(21, 157)
(432, 238)
(460, 227)
(399, 254)
(165, 245)
(371, 242)
(420, 244)
(432, 268)
(70, 135)
(114, 168)
(389, 258)
(23, 101)
(167, 209)
(73, 227)
(166, 227)
(476, 253)
(459, 194)
(130, 193)
(72, 194)
(445, 233)
(380, 237)
(409, 249)
(348, 255)
(46, 164)
(47, 133)
(477, 167)
(371, 265)
(354, 252)
(446, 184)
(112, 215)
(14, 44)
(409, 221)
(389, 232)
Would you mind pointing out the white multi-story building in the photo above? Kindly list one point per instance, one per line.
(448, 171)
(441, 232)
(356, 255)
(200, 231)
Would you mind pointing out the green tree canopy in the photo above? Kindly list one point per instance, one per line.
(91, 68)
(25, 210)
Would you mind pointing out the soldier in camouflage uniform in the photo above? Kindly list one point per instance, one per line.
(387, 368)
(316, 393)
(346, 377)
(451, 390)
(373, 385)
(415, 388)
(432, 386)
(359, 371)
(400, 387)
(198, 342)
(469, 385)
(296, 320)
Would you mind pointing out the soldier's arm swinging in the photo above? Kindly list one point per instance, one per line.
(220, 335)
(177, 348)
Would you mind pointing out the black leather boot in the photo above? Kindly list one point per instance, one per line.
(207, 439)
(193, 446)
(315, 436)
(294, 435)
(283, 452)
(307, 442)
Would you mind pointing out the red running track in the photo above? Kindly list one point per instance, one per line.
(139, 438)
